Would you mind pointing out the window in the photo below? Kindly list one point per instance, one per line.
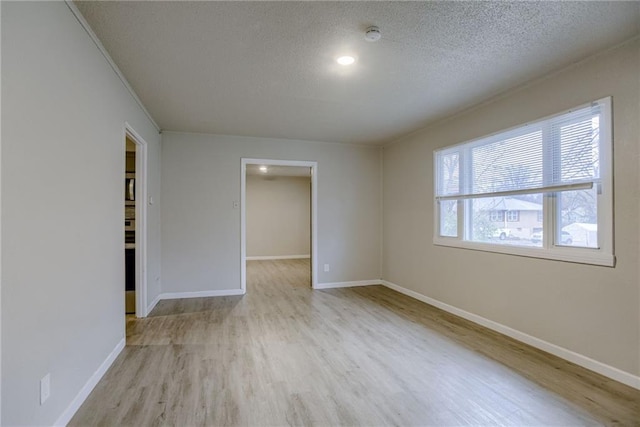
(496, 216)
(543, 189)
(513, 216)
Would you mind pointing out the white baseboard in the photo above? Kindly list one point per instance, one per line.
(153, 304)
(577, 358)
(197, 294)
(84, 392)
(348, 284)
(265, 258)
(201, 294)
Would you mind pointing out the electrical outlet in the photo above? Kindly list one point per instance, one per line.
(45, 388)
(326, 268)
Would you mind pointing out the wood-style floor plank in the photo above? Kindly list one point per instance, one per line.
(286, 355)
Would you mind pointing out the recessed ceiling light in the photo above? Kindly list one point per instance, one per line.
(263, 169)
(346, 60)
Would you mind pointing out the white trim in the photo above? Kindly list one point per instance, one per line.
(265, 258)
(141, 218)
(545, 189)
(243, 213)
(84, 392)
(85, 25)
(201, 294)
(605, 199)
(348, 284)
(153, 304)
(381, 259)
(0, 235)
(558, 253)
(579, 359)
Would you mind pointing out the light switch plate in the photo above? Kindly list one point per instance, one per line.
(45, 388)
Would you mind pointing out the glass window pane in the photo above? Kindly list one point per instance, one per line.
(578, 222)
(579, 153)
(513, 163)
(520, 226)
(449, 174)
(449, 218)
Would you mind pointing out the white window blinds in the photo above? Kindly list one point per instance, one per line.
(558, 153)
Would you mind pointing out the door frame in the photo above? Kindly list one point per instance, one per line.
(243, 213)
(141, 218)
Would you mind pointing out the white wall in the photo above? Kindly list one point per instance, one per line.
(0, 220)
(591, 310)
(278, 215)
(201, 229)
(63, 156)
(154, 243)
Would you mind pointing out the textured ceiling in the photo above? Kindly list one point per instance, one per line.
(268, 68)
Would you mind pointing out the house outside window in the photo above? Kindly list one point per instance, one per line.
(516, 218)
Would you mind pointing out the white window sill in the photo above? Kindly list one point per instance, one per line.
(557, 253)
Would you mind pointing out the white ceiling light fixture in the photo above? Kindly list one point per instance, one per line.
(346, 60)
(263, 169)
(372, 34)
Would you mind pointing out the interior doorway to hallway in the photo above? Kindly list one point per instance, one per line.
(278, 213)
(135, 226)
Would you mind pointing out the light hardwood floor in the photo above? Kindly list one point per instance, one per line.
(286, 355)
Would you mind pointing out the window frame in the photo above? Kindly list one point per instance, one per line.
(550, 249)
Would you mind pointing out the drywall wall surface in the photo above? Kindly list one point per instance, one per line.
(63, 159)
(591, 310)
(154, 203)
(201, 227)
(278, 215)
(0, 218)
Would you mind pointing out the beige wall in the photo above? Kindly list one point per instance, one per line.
(591, 310)
(201, 227)
(63, 116)
(278, 216)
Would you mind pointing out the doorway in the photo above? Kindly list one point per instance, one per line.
(312, 167)
(130, 227)
(135, 234)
